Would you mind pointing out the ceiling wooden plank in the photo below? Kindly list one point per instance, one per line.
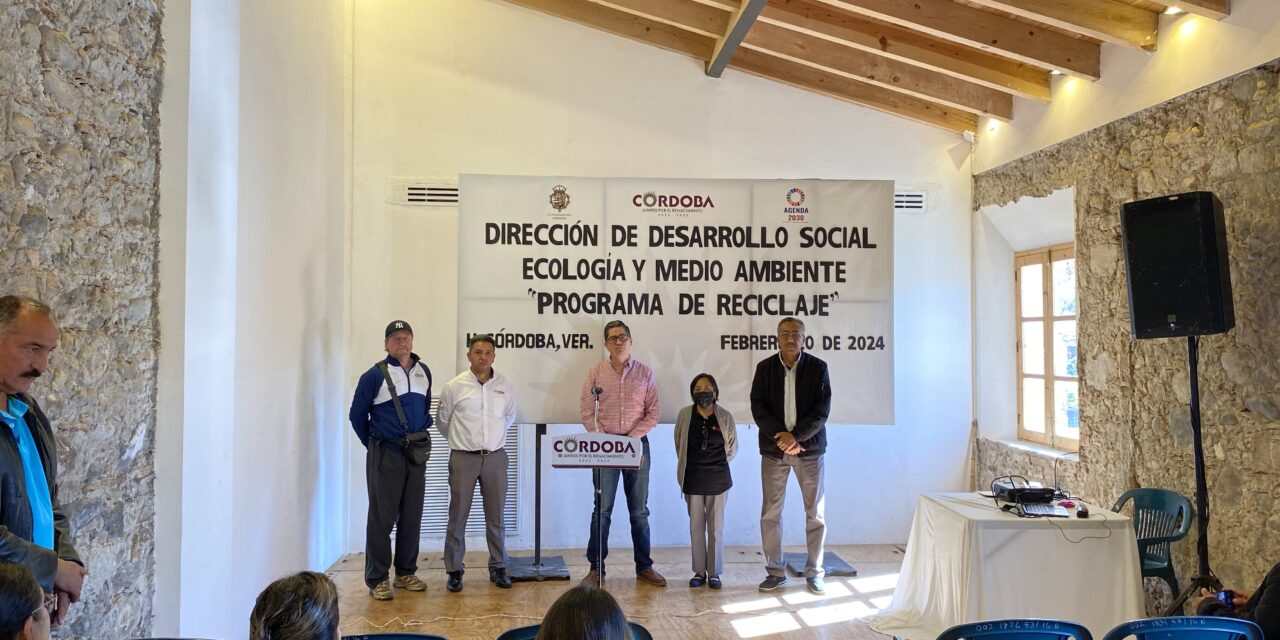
(891, 102)
(738, 28)
(702, 19)
(880, 71)
(955, 60)
(626, 25)
(1106, 20)
(978, 28)
(1216, 9)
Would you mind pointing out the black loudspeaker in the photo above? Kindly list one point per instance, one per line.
(1175, 252)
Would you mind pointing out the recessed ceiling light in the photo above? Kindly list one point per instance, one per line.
(1172, 11)
(1054, 72)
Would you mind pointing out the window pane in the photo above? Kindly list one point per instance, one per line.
(1064, 349)
(1033, 348)
(1066, 411)
(1064, 287)
(1032, 277)
(1033, 404)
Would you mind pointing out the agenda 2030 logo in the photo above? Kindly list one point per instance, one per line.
(795, 210)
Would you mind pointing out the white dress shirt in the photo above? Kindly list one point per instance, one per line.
(789, 392)
(475, 416)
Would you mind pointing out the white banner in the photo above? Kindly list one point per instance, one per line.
(700, 270)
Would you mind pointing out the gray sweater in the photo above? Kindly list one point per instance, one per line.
(727, 427)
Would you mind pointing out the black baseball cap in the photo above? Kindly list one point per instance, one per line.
(398, 325)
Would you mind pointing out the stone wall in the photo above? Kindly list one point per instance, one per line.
(79, 99)
(1135, 420)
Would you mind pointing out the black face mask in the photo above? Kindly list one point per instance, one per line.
(704, 399)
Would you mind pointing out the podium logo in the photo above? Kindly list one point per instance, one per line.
(572, 445)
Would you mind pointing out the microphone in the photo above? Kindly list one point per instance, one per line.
(597, 391)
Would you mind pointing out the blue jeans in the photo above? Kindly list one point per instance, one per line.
(635, 483)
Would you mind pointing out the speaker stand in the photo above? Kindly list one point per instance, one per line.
(1204, 577)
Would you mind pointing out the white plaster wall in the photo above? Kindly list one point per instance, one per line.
(172, 300)
(1192, 52)
(999, 233)
(208, 339)
(258, 344)
(482, 86)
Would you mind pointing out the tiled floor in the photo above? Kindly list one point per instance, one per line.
(739, 610)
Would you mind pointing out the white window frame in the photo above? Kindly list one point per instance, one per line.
(1044, 256)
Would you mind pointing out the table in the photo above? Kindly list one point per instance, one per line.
(968, 561)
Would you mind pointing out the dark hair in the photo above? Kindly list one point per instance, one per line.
(790, 319)
(303, 606)
(10, 306)
(20, 596)
(585, 613)
(613, 324)
(480, 337)
(710, 378)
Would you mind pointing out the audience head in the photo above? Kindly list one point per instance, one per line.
(585, 613)
(303, 606)
(23, 615)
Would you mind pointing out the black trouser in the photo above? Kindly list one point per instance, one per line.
(396, 490)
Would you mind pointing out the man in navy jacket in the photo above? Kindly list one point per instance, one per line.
(790, 401)
(396, 485)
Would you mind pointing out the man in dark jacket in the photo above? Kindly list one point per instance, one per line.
(396, 484)
(790, 401)
(1261, 607)
(33, 529)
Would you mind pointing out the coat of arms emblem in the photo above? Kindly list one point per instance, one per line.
(559, 197)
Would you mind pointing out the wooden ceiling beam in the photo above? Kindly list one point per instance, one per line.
(880, 71)
(1105, 20)
(955, 60)
(830, 84)
(974, 27)
(1215, 9)
(626, 25)
(705, 20)
(727, 44)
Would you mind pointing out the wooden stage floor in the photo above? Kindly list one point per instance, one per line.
(739, 610)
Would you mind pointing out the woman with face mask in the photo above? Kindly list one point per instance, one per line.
(706, 440)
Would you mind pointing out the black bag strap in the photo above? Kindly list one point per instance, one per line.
(395, 397)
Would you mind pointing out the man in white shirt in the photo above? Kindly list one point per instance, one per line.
(476, 407)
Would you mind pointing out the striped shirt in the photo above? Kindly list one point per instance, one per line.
(628, 400)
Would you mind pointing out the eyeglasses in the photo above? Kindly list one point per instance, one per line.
(50, 604)
(787, 335)
(618, 339)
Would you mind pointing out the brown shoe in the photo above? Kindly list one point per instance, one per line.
(382, 591)
(409, 583)
(589, 580)
(652, 577)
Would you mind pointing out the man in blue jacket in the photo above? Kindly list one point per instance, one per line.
(790, 401)
(396, 483)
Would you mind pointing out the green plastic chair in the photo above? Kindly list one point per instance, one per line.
(1160, 517)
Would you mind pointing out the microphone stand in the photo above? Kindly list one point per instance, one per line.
(596, 476)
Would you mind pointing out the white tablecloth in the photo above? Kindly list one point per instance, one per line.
(968, 561)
